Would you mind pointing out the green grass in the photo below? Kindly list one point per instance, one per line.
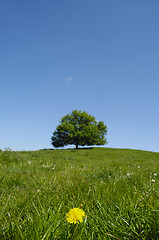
(117, 188)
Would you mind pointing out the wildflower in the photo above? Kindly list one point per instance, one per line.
(75, 215)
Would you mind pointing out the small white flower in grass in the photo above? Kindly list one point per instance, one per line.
(155, 174)
(29, 162)
(153, 180)
(138, 166)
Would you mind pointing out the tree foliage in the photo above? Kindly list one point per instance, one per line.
(79, 128)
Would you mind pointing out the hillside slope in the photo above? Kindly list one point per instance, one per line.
(117, 189)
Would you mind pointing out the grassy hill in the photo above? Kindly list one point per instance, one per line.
(117, 188)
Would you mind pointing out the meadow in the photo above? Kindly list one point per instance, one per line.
(117, 189)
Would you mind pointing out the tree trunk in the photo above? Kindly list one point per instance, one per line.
(76, 145)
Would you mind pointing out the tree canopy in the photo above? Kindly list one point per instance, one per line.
(80, 129)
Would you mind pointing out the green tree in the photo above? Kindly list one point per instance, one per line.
(79, 128)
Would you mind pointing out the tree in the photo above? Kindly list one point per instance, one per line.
(79, 128)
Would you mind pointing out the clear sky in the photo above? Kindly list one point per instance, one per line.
(98, 56)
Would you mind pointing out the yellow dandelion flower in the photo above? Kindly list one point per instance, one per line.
(75, 215)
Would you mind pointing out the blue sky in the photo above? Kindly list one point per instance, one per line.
(100, 56)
